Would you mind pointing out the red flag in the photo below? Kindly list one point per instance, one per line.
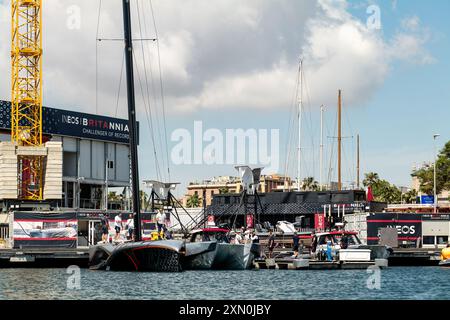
(319, 221)
(369, 194)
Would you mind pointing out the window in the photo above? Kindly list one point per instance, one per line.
(360, 196)
(323, 198)
(428, 240)
(340, 197)
(442, 239)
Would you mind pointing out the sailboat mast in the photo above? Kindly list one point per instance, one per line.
(299, 116)
(132, 117)
(357, 162)
(321, 150)
(339, 141)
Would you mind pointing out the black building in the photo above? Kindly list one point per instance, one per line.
(289, 206)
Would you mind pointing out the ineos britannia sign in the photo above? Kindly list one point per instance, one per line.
(408, 226)
(74, 124)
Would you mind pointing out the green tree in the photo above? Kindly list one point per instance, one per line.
(410, 196)
(145, 200)
(193, 201)
(113, 196)
(371, 178)
(309, 184)
(425, 175)
(382, 190)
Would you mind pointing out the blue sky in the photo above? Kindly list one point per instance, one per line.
(397, 124)
(232, 64)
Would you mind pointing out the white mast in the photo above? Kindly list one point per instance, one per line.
(300, 110)
(321, 150)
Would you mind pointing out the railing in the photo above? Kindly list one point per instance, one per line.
(409, 205)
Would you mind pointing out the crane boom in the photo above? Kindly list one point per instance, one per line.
(26, 85)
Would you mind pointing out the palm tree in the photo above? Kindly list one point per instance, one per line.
(371, 179)
(145, 200)
(193, 201)
(309, 184)
(112, 196)
(410, 196)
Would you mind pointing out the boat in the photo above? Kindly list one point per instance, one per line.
(225, 256)
(160, 255)
(232, 256)
(444, 263)
(352, 242)
(156, 256)
(202, 249)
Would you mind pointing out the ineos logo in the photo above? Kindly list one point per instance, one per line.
(404, 229)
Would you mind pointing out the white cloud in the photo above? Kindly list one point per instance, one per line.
(411, 23)
(220, 54)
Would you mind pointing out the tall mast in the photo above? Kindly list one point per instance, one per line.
(132, 117)
(321, 150)
(357, 161)
(299, 116)
(339, 141)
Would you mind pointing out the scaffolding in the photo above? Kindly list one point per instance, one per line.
(26, 80)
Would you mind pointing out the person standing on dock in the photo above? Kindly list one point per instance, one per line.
(255, 238)
(117, 226)
(160, 219)
(130, 228)
(271, 243)
(295, 242)
(105, 228)
(238, 238)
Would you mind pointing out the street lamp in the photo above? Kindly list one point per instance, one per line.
(436, 135)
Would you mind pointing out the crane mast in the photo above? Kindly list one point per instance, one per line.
(26, 85)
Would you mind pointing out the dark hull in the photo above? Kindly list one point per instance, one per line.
(200, 255)
(235, 256)
(156, 256)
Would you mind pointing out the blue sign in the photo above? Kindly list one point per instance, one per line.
(427, 199)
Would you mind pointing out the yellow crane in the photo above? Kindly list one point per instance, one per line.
(26, 101)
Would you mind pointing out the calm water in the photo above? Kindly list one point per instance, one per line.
(396, 283)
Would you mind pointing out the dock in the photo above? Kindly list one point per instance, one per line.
(307, 264)
(44, 258)
(414, 257)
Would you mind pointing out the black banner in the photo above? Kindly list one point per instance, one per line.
(74, 124)
(409, 226)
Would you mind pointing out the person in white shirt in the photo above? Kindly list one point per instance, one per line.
(160, 219)
(247, 236)
(117, 226)
(238, 239)
(130, 228)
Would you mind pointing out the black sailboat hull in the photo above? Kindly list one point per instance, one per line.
(152, 256)
(200, 255)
